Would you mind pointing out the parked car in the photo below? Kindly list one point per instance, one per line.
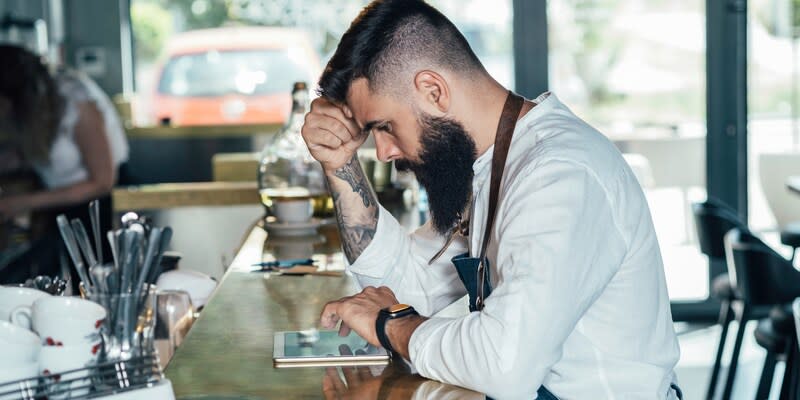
(232, 75)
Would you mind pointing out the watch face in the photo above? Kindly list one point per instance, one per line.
(398, 307)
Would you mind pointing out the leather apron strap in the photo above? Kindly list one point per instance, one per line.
(502, 142)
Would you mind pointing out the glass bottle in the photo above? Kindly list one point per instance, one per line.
(287, 170)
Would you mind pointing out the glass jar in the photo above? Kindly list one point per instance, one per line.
(287, 171)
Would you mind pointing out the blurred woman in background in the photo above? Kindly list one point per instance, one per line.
(64, 128)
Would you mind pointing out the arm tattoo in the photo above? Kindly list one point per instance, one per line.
(355, 237)
(357, 225)
(352, 174)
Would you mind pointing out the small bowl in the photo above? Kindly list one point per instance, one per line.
(197, 284)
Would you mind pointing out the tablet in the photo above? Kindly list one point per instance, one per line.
(322, 348)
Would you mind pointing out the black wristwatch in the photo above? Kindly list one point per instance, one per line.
(384, 315)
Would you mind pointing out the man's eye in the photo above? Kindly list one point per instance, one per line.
(386, 128)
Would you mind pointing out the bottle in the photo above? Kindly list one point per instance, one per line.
(287, 171)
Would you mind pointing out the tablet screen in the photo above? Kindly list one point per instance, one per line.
(324, 346)
(324, 343)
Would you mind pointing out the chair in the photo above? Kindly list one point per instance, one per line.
(713, 219)
(777, 335)
(790, 236)
(761, 279)
(774, 170)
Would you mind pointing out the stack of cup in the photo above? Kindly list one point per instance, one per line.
(20, 349)
(13, 297)
(18, 345)
(68, 341)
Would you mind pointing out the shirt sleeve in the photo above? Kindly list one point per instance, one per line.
(558, 247)
(399, 260)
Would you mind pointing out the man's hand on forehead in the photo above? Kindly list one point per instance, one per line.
(331, 133)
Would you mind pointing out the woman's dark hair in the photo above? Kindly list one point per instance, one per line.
(388, 36)
(36, 105)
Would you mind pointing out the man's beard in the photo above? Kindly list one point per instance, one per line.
(445, 169)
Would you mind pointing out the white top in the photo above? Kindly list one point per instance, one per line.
(66, 165)
(579, 300)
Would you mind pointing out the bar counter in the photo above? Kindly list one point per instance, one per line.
(228, 352)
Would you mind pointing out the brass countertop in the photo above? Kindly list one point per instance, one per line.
(228, 352)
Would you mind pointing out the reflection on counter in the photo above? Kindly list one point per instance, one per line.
(394, 382)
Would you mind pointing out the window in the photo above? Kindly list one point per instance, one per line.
(217, 73)
(773, 125)
(624, 67)
(195, 59)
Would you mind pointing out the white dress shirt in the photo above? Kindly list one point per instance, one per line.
(579, 300)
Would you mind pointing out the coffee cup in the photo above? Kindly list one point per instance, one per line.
(57, 359)
(293, 211)
(62, 321)
(13, 297)
(65, 367)
(19, 374)
(17, 345)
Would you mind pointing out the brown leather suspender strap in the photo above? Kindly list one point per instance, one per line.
(502, 142)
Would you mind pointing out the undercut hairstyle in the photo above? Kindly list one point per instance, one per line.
(388, 40)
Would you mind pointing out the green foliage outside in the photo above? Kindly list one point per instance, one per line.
(600, 50)
(154, 21)
(200, 14)
(795, 18)
(151, 25)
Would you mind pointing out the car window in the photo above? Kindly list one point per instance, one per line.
(216, 73)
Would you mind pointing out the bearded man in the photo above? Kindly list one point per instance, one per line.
(534, 215)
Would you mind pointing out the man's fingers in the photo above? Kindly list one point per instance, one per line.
(321, 124)
(344, 330)
(329, 316)
(325, 139)
(350, 373)
(363, 372)
(324, 107)
(345, 350)
(332, 383)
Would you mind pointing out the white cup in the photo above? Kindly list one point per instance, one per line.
(62, 321)
(292, 211)
(17, 345)
(18, 373)
(56, 362)
(13, 297)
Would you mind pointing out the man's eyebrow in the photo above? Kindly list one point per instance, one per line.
(370, 125)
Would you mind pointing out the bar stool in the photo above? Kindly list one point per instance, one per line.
(713, 219)
(790, 236)
(761, 279)
(777, 334)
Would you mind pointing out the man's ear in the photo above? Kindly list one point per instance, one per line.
(432, 90)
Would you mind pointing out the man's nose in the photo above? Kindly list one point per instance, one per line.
(385, 148)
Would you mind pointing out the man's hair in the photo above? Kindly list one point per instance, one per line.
(387, 38)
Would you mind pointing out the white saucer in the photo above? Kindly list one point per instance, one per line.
(293, 228)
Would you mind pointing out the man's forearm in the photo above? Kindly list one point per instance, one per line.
(356, 207)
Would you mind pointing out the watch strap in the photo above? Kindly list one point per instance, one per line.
(384, 316)
(380, 329)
